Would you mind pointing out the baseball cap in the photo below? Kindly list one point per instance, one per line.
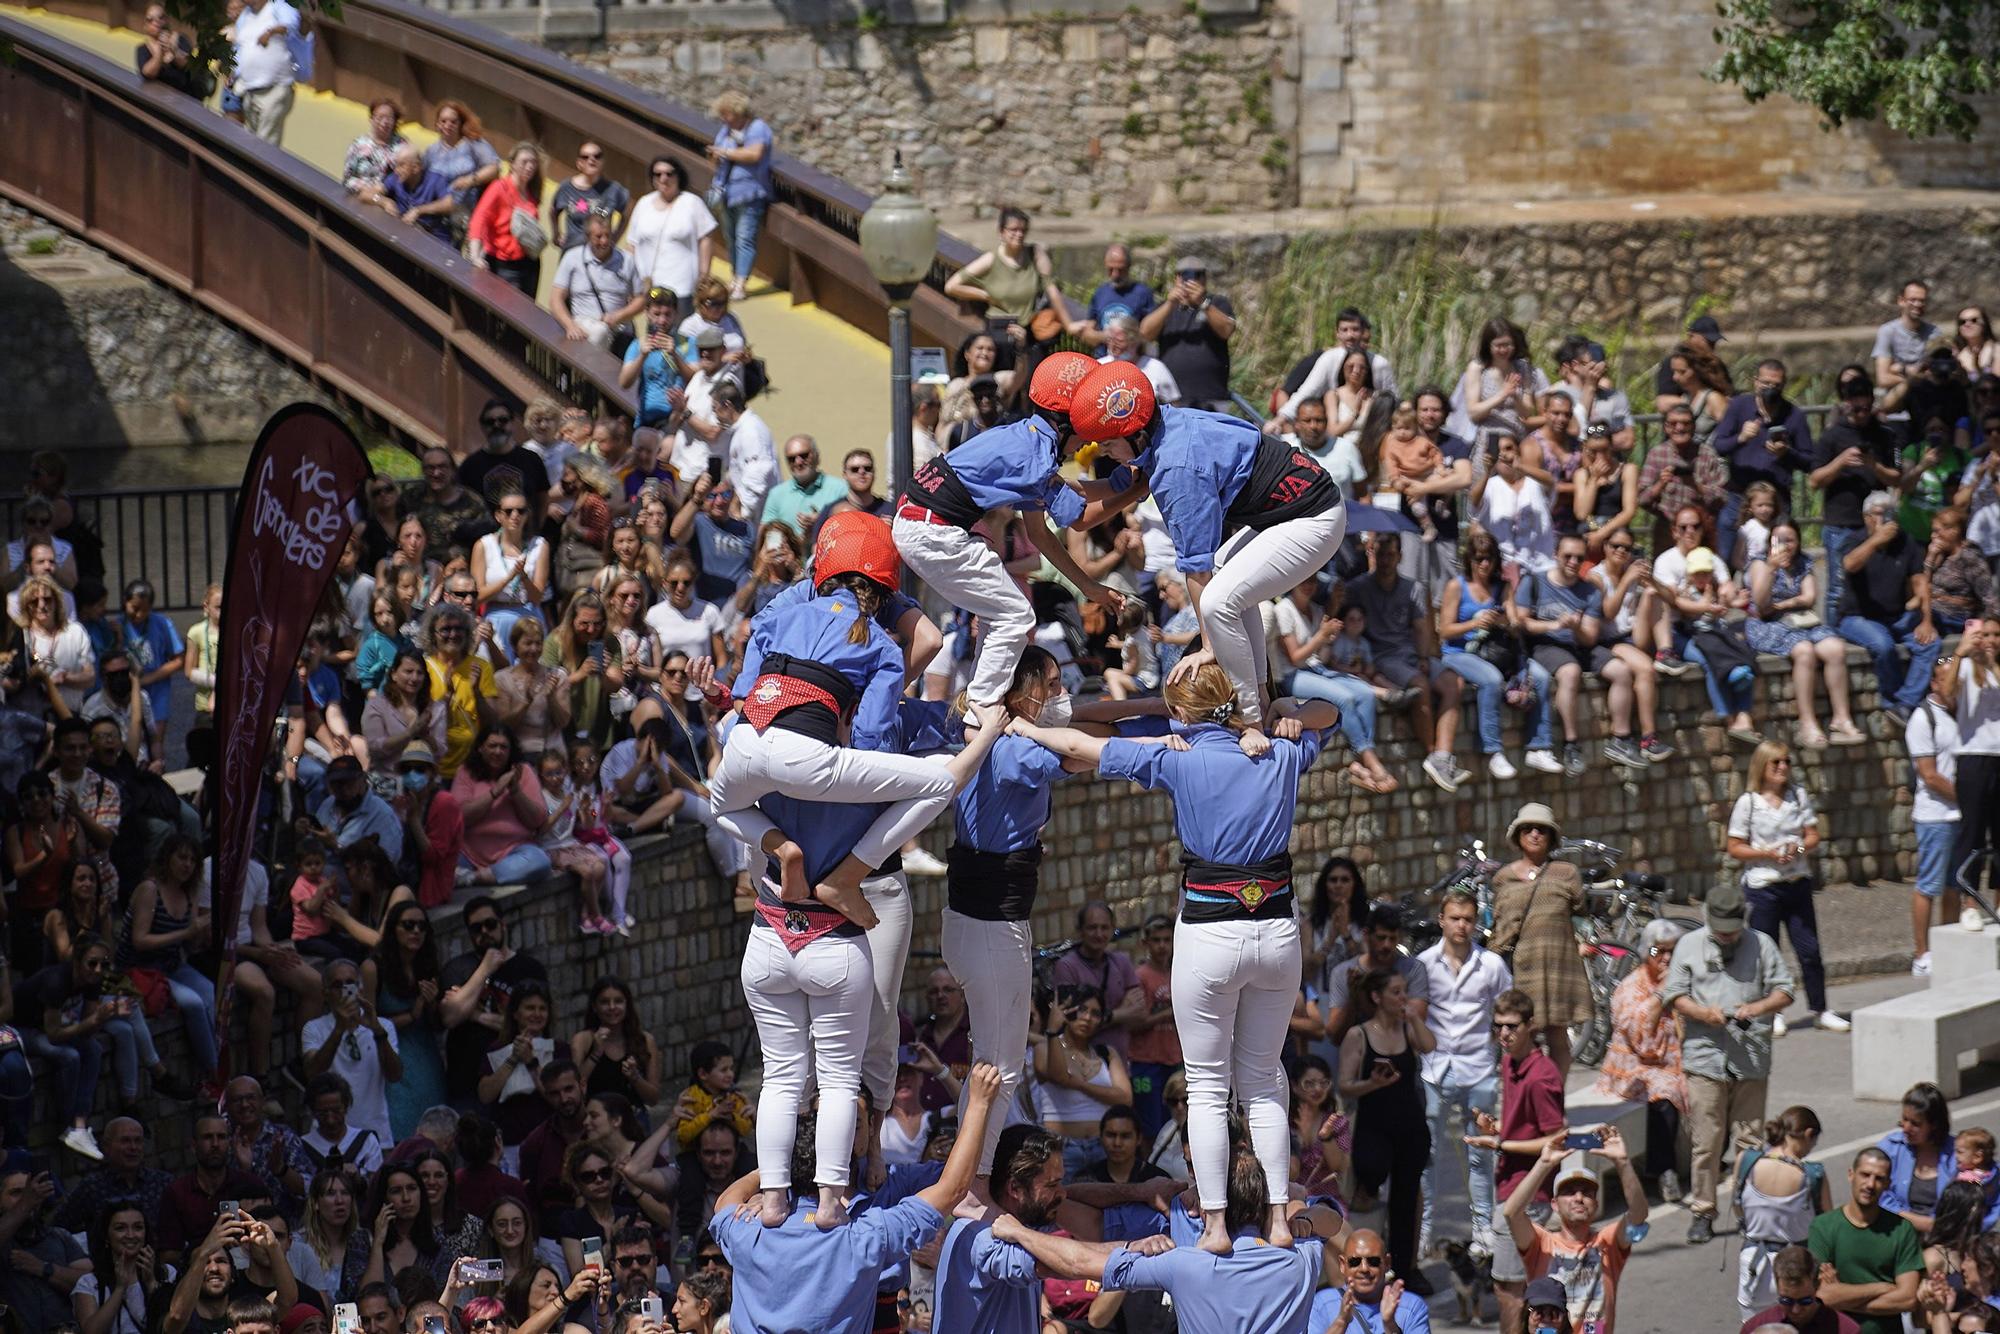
(1707, 327)
(708, 338)
(1701, 561)
(1725, 909)
(1190, 264)
(1545, 1291)
(1575, 1167)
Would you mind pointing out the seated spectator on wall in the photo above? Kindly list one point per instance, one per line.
(1763, 437)
(163, 923)
(1962, 588)
(1886, 608)
(1857, 456)
(1701, 603)
(1680, 473)
(596, 293)
(502, 801)
(1784, 622)
(1403, 636)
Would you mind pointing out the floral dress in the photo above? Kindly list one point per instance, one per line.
(1773, 636)
(1642, 1063)
(368, 162)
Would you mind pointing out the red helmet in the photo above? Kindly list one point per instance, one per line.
(852, 542)
(1114, 401)
(1056, 379)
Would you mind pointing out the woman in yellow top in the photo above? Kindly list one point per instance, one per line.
(461, 681)
(204, 654)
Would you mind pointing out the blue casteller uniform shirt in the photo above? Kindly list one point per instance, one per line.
(984, 1285)
(1228, 807)
(893, 608)
(1256, 1289)
(1197, 466)
(902, 1181)
(1413, 1315)
(816, 629)
(797, 1279)
(1017, 465)
(1009, 799)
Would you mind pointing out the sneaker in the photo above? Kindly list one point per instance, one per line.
(1655, 749)
(1481, 1248)
(605, 926)
(1670, 1186)
(624, 928)
(587, 925)
(1742, 675)
(1778, 1027)
(1701, 1231)
(1899, 714)
(1621, 750)
(1442, 771)
(1672, 664)
(1402, 699)
(1831, 1021)
(1500, 767)
(921, 861)
(79, 1141)
(1543, 761)
(1573, 761)
(627, 925)
(1921, 965)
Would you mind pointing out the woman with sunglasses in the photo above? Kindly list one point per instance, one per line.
(604, 1207)
(56, 649)
(1773, 830)
(511, 568)
(683, 622)
(672, 234)
(1642, 1060)
(711, 311)
(399, 979)
(586, 192)
(1606, 496)
(1973, 343)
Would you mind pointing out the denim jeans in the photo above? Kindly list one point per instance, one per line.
(1481, 1096)
(1726, 699)
(194, 994)
(75, 1065)
(746, 224)
(1490, 692)
(1080, 1155)
(525, 863)
(1726, 524)
(1895, 683)
(1355, 697)
(131, 1048)
(1839, 541)
(17, 1095)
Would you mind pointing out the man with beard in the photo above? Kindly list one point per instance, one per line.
(187, 1205)
(1726, 981)
(548, 1144)
(1870, 1259)
(504, 466)
(718, 1158)
(47, 1262)
(1586, 1257)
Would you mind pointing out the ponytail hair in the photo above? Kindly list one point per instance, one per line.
(1207, 696)
(1798, 1121)
(867, 596)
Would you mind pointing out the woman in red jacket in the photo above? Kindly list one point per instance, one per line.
(494, 240)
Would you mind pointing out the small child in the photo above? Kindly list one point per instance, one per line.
(566, 852)
(1975, 1162)
(311, 892)
(1138, 670)
(712, 1096)
(1350, 655)
(1753, 535)
(379, 648)
(592, 830)
(1411, 456)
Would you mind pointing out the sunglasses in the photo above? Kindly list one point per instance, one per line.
(413, 924)
(678, 583)
(796, 459)
(589, 157)
(466, 594)
(484, 924)
(496, 421)
(513, 509)
(1617, 546)
(635, 1261)
(1366, 1261)
(594, 1176)
(710, 1258)
(666, 173)
(861, 467)
(1794, 1303)
(1507, 1025)
(1687, 527)
(711, 303)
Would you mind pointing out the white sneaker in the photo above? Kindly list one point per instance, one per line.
(1543, 761)
(78, 1140)
(1670, 1186)
(920, 861)
(1778, 1026)
(1921, 965)
(1831, 1022)
(1500, 767)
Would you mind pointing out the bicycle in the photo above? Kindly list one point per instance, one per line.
(1621, 906)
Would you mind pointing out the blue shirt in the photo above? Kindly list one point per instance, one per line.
(430, 187)
(1752, 460)
(1197, 467)
(745, 182)
(150, 647)
(1256, 1289)
(1228, 807)
(894, 607)
(657, 374)
(1543, 598)
(723, 552)
(1413, 1316)
(902, 1181)
(1008, 801)
(373, 816)
(1110, 301)
(797, 1279)
(984, 1286)
(1016, 465)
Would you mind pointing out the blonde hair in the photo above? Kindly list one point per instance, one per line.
(1757, 490)
(48, 585)
(543, 416)
(1760, 761)
(710, 288)
(729, 102)
(1208, 696)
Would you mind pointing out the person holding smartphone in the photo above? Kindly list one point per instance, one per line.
(1587, 1255)
(1392, 1137)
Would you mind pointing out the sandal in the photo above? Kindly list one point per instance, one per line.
(1846, 734)
(1811, 738)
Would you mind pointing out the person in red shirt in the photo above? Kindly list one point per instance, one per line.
(1797, 1276)
(1156, 1043)
(1531, 1115)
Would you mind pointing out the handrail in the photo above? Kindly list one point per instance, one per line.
(403, 329)
(376, 48)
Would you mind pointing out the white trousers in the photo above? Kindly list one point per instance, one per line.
(969, 574)
(729, 853)
(1233, 988)
(889, 944)
(1252, 571)
(994, 962)
(754, 766)
(812, 1011)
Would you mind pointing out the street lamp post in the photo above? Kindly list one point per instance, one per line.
(899, 241)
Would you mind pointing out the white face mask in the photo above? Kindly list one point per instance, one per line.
(1055, 710)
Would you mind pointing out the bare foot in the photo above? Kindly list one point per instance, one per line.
(1384, 780)
(1214, 1235)
(1254, 743)
(832, 1211)
(849, 902)
(1279, 1230)
(777, 1207)
(793, 887)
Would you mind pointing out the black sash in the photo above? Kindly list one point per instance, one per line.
(1285, 483)
(993, 886)
(1261, 892)
(936, 487)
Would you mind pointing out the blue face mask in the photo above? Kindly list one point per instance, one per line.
(415, 780)
(1545, 1329)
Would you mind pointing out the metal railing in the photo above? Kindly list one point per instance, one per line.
(177, 538)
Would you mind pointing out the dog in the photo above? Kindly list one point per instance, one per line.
(1471, 1280)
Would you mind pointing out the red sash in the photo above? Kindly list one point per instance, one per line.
(798, 924)
(774, 694)
(1250, 891)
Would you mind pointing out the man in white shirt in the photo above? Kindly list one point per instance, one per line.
(1122, 343)
(1932, 740)
(263, 36)
(701, 433)
(351, 1040)
(749, 447)
(1461, 1070)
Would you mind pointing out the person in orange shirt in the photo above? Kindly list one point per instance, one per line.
(1411, 462)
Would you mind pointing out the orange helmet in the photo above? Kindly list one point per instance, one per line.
(1114, 401)
(1056, 379)
(852, 542)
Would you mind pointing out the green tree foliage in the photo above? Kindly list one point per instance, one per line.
(1913, 65)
